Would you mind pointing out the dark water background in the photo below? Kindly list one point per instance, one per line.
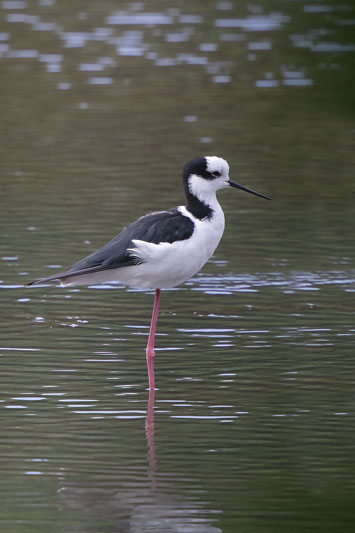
(252, 428)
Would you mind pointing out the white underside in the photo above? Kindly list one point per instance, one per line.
(165, 265)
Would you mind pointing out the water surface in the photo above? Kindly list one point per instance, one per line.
(252, 427)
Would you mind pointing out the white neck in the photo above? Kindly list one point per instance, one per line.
(204, 190)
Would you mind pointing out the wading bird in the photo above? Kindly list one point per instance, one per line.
(162, 249)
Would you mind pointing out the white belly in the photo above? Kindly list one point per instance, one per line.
(164, 265)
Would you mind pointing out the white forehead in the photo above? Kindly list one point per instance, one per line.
(217, 163)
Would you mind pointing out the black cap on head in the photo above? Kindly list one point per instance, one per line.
(197, 166)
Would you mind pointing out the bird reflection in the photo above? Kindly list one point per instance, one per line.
(126, 498)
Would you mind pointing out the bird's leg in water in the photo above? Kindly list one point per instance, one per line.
(150, 346)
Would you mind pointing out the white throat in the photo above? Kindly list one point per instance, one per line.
(205, 190)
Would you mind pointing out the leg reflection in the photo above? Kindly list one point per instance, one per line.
(149, 432)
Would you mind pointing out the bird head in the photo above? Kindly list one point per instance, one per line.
(204, 176)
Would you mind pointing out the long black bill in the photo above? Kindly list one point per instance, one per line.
(242, 188)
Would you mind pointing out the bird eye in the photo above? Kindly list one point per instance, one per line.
(216, 173)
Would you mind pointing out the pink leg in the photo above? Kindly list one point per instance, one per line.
(150, 346)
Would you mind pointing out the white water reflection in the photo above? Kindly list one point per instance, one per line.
(136, 19)
(169, 44)
(274, 21)
(286, 282)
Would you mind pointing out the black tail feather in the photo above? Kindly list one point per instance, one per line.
(66, 274)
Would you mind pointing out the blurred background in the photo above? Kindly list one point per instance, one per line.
(252, 428)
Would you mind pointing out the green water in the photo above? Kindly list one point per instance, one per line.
(252, 428)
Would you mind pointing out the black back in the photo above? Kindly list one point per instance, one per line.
(163, 226)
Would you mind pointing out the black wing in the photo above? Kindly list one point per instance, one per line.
(163, 226)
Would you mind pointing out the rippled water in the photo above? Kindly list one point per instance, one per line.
(252, 428)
